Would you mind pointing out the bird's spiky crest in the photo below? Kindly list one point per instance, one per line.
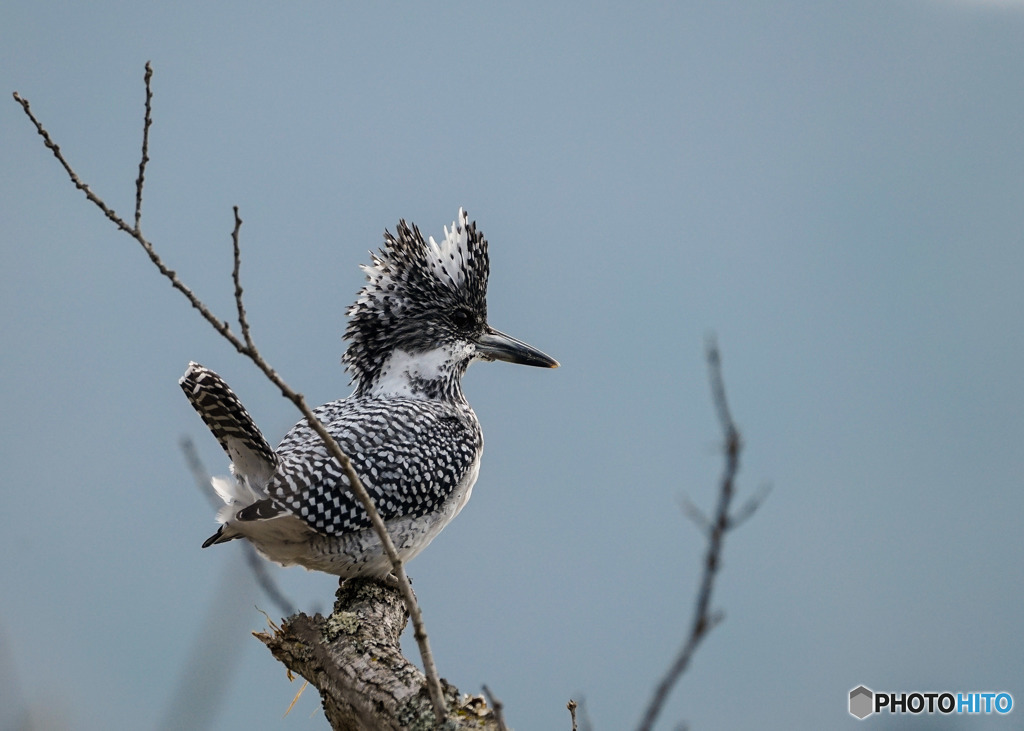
(413, 286)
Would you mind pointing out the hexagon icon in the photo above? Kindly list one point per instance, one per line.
(861, 701)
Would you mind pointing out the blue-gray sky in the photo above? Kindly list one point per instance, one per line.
(835, 189)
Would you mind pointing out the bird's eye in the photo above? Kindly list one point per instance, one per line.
(462, 319)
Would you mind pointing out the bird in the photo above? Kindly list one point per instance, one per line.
(417, 324)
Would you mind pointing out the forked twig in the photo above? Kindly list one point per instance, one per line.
(704, 620)
(246, 347)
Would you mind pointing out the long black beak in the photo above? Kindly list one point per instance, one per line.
(494, 345)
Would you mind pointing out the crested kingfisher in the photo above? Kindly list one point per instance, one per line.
(414, 441)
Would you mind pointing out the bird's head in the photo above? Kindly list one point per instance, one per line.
(421, 318)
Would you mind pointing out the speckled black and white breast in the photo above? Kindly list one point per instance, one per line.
(417, 458)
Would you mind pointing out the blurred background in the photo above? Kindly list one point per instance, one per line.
(835, 189)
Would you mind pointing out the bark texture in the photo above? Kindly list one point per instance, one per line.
(353, 657)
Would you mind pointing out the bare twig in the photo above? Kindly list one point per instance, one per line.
(245, 347)
(55, 149)
(220, 326)
(714, 359)
(571, 705)
(497, 707)
(703, 619)
(147, 123)
(243, 321)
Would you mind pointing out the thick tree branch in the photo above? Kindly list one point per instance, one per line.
(246, 347)
(355, 660)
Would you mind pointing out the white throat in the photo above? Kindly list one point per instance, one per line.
(408, 375)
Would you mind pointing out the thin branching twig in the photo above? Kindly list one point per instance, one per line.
(704, 620)
(246, 347)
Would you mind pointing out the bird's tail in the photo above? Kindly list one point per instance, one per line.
(253, 460)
